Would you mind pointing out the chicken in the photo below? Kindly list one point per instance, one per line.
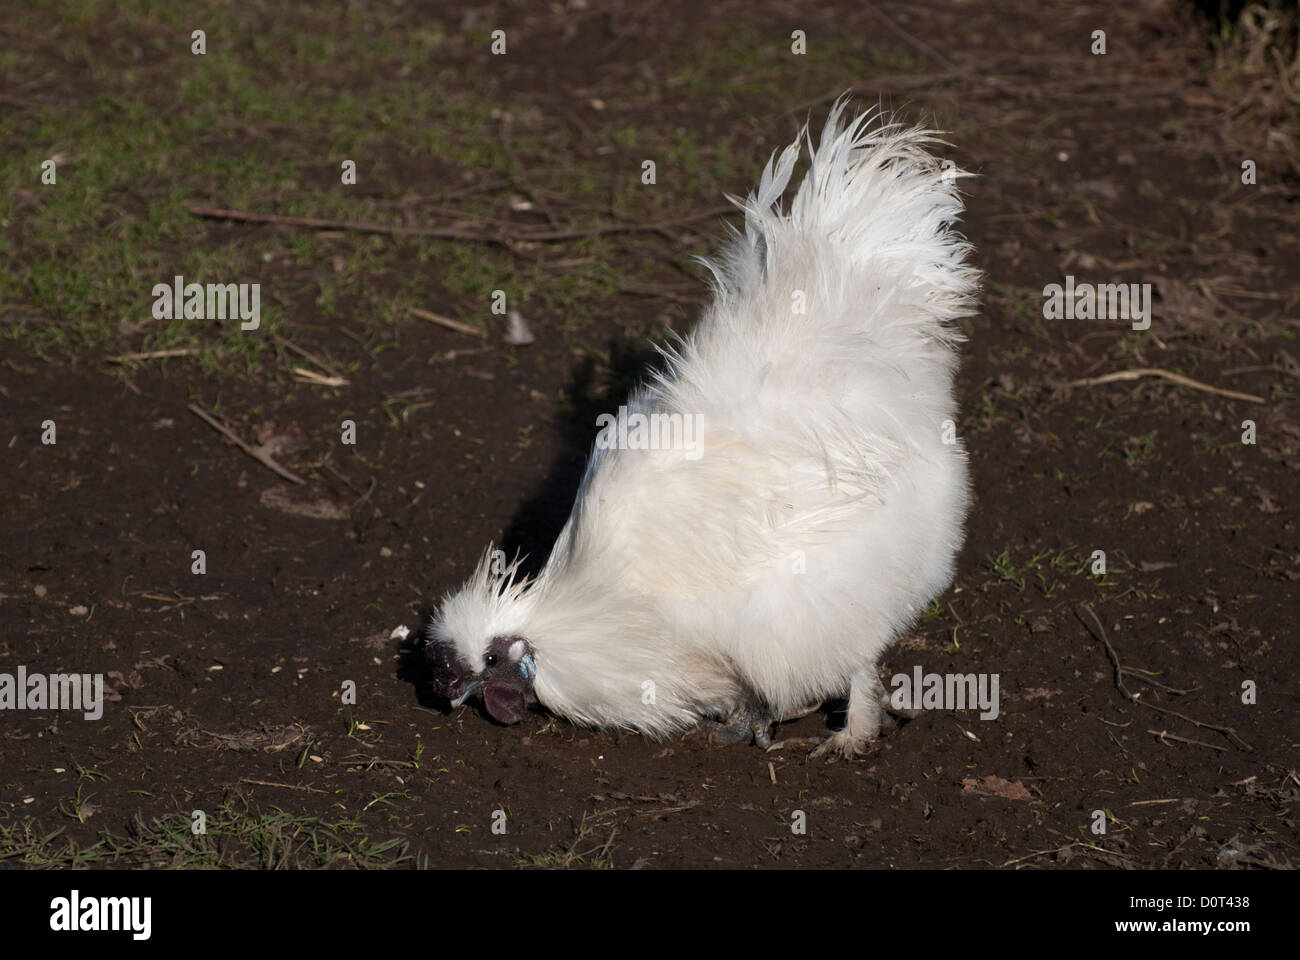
(798, 496)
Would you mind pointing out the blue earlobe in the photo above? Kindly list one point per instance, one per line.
(527, 667)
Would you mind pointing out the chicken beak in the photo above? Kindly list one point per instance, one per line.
(472, 689)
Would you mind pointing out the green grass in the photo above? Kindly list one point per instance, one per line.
(1045, 570)
(142, 128)
(585, 850)
(235, 838)
(262, 122)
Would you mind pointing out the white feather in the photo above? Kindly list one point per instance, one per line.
(823, 509)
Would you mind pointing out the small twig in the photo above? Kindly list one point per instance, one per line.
(1175, 691)
(689, 805)
(366, 496)
(916, 42)
(308, 375)
(628, 227)
(370, 762)
(355, 489)
(451, 355)
(293, 347)
(415, 199)
(451, 233)
(1250, 294)
(354, 337)
(152, 355)
(318, 223)
(348, 483)
(1149, 803)
(448, 322)
(179, 599)
(1067, 846)
(1100, 633)
(257, 453)
(1164, 735)
(520, 180)
(1167, 375)
(1256, 368)
(604, 851)
(283, 786)
(1228, 732)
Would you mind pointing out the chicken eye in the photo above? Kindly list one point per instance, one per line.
(490, 660)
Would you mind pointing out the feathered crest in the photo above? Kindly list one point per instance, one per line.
(492, 602)
(498, 578)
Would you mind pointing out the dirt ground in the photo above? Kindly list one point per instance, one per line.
(226, 689)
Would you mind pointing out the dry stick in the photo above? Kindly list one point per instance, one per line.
(366, 496)
(360, 759)
(308, 375)
(355, 489)
(520, 181)
(604, 851)
(308, 356)
(1228, 732)
(450, 233)
(1258, 368)
(159, 596)
(284, 786)
(152, 355)
(447, 322)
(1164, 735)
(481, 187)
(1163, 686)
(628, 227)
(916, 42)
(316, 223)
(1100, 633)
(1067, 846)
(1173, 377)
(355, 338)
(257, 453)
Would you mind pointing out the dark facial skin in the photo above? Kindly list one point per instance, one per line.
(506, 685)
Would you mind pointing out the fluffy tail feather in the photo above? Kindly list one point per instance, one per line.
(831, 330)
(875, 192)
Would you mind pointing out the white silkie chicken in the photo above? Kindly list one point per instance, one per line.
(748, 575)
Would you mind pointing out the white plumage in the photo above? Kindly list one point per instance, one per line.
(771, 567)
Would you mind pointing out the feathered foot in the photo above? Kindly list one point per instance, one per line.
(745, 725)
(842, 743)
(866, 702)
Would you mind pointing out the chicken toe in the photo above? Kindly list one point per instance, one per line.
(745, 725)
